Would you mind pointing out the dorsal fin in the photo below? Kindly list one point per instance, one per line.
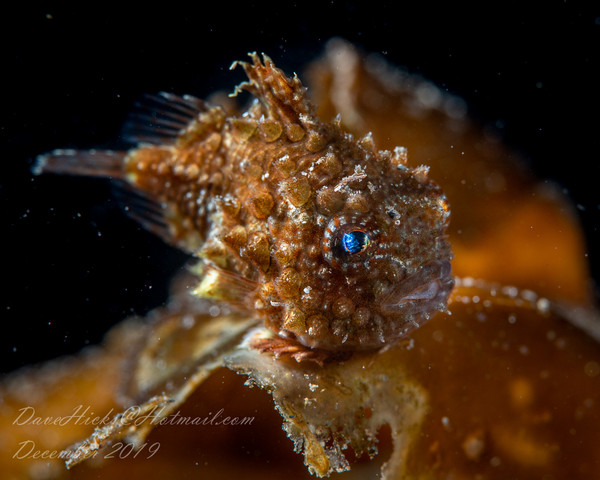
(283, 98)
(160, 119)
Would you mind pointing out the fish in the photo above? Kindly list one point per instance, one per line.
(322, 272)
(331, 243)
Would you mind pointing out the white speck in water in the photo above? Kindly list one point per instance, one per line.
(188, 321)
(428, 95)
(214, 311)
(543, 305)
(524, 350)
(446, 423)
(529, 295)
(511, 292)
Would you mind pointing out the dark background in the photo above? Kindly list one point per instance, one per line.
(73, 264)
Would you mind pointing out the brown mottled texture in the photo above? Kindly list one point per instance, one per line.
(298, 199)
(298, 226)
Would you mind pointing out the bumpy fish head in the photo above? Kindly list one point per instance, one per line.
(340, 246)
(330, 241)
(366, 259)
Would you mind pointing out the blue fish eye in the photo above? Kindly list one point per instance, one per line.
(355, 242)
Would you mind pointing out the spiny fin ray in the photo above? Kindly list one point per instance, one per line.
(161, 118)
(284, 98)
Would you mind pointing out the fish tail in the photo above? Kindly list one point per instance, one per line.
(89, 163)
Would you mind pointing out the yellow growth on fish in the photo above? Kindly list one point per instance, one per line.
(334, 244)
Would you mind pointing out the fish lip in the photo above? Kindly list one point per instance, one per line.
(424, 291)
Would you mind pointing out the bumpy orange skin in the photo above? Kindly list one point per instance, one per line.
(507, 385)
(265, 199)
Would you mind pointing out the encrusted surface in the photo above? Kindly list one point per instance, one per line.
(328, 409)
(307, 236)
(295, 221)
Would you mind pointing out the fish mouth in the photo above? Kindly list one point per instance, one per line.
(424, 291)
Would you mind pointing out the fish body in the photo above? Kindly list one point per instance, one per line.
(333, 243)
(335, 246)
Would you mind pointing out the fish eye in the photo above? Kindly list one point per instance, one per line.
(349, 241)
(355, 241)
